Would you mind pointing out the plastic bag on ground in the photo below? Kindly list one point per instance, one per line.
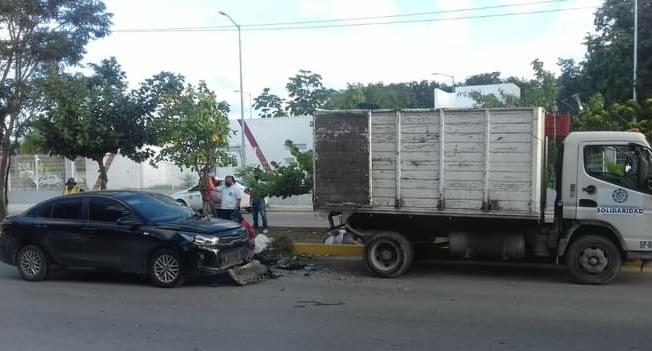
(262, 242)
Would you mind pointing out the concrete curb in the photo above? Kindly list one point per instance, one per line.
(328, 250)
(315, 249)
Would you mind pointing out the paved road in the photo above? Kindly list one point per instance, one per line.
(436, 307)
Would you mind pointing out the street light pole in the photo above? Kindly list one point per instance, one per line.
(250, 102)
(243, 153)
(634, 83)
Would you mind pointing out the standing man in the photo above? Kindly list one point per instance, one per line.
(71, 187)
(258, 206)
(231, 198)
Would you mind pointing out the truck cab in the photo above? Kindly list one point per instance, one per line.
(606, 192)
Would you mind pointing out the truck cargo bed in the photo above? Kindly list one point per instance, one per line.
(485, 163)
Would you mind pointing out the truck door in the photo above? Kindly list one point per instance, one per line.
(612, 188)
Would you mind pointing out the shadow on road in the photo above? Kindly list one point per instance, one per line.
(117, 278)
(468, 270)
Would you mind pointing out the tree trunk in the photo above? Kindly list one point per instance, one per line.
(4, 177)
(207, 206)
(103, 179)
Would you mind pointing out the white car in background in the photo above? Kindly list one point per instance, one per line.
(192, 198)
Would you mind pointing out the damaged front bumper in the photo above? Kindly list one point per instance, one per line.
(213, 260)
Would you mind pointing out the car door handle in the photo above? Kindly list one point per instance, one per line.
(589, 189)
(588, 203)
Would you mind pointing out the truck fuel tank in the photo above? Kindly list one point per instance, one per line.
(506, 246)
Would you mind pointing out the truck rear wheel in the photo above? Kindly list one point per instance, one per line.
(593, 259)
(388, 254)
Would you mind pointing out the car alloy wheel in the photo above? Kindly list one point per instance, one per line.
(32, 263)
(166, 268)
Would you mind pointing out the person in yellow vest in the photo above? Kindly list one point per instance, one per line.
(71, 187)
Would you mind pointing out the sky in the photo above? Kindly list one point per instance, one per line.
(380, 53)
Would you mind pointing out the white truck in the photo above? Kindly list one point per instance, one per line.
(472, 183)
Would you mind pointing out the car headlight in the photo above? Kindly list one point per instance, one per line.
(200, 239)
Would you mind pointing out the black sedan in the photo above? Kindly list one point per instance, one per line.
(135, 232)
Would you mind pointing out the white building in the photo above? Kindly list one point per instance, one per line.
(269, 133)
(460, 98)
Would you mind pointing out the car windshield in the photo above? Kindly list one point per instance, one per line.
(157, 208)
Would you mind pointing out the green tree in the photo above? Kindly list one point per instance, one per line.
(569, 84)
(285, 180)
(306, 92)
(93, 116)
(484, 79)
(269, 105)
(608, 67)
(256, 179)
(493, 101)
(37, 34)
(195, 132)
(598, 115)
(541, 91)
(31, 143)
(379, 95)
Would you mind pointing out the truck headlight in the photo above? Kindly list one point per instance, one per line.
(203, 240)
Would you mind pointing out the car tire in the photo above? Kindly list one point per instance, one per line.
(593, 260)
(388, 254)
(32, 264)
(165, 269)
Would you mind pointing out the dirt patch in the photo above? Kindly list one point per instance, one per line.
(299, 235)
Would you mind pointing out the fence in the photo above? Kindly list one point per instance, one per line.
(36, 172)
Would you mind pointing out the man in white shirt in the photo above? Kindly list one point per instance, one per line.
(231, 198)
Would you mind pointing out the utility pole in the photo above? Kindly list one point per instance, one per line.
(634, 81)
(243, 150)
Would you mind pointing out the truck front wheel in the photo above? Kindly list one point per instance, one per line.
(388, 254)
(593, 259)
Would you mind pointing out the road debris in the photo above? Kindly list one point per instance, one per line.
(262, 242)
(339, 236)
(250, 273)
(296, 262)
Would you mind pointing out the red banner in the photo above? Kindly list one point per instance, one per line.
(254, 144)
(558, 126)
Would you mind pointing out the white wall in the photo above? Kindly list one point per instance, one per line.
(126, 174)
(460, 99)
(271, 134)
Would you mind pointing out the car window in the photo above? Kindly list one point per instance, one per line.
(67, 208)
(157, 208)
(106, 210)
(194, 188)
(42, 211)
